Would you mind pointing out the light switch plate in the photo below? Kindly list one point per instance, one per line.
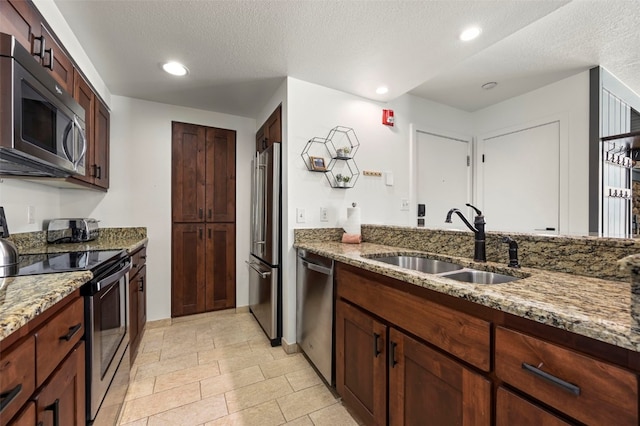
(300, 216)
(388, 178)
(404, 205)
(324, 214)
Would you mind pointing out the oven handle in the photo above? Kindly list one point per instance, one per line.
(113, 277)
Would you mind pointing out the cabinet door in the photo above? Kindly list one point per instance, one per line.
(261, 139)
(274, 127)
(428, 388)
(361, 363)
(513, 410)
(142, 299)
(83, 94)
(221, 266)
(27, 417)
(188, 170)
(56, 61)
(188, 271)
(133, 316)
(18, 19)
(102, 121)
(17, 377)
(62, 399)
(220, 175)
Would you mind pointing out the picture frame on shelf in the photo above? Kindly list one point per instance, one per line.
(318, 164)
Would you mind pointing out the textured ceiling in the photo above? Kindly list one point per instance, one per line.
(238, 52)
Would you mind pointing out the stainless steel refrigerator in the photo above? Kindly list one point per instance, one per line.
(265, 284)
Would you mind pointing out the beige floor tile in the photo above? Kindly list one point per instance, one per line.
(147, 357)
(230, 381)
(301, 421)
(159, 402)
(158, 323)
(174, 351)
(150, 346)
(231, 338)
(140, 422)
(303, 378)
(185, 376)
(167, 366)
(282, 366)
(332, 415)
(256, 394)
(140, 388)
(266, 414)
(242, 362)
(234, 351)
(192, 414)
(305, 401)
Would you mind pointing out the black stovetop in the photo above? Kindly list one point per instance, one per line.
(47, 263)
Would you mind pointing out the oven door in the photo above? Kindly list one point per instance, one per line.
(107, 333)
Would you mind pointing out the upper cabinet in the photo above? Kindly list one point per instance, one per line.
(270, 131)
(21, 19)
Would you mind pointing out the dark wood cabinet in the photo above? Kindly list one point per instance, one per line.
(429, 388)
(270, 131)
(203, 215)
(361, 363)
(21, 19)
(97, 122)
(137, 300)
(27, 417)
(514, 410)
(61, 401)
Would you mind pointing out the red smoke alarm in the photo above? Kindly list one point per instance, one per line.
(387, 117)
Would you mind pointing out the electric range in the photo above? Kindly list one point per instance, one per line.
(47, 263)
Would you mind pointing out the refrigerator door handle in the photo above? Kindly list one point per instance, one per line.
(253, 266)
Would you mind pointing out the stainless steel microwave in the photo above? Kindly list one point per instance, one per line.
(42, 128)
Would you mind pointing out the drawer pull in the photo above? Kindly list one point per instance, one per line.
(376, 352)
(553, 379)
(392, 355)
(55, 407)
(7, 397)
(72, 331)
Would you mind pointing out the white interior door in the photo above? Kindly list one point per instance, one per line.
(519, 179)
(443, 176)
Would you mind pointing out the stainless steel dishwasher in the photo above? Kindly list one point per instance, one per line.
(314, 311)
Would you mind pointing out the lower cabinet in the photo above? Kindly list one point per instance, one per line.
(137, 300)
(425, 387)
(513, 410)
(61, 401)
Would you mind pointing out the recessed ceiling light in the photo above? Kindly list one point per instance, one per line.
(470, 33)
(382, 90)
(490, 85)
(175, 68)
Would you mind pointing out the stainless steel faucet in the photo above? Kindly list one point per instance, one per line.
(480, 250)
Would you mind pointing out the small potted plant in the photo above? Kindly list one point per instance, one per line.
(342, 181)
(343, 152)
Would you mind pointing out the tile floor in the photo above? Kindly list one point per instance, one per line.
(219, 369)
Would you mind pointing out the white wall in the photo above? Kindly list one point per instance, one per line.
(140, 187)
(17, 195)
(569, 99)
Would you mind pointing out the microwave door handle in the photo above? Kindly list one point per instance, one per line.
(83, 151)
(68, 131)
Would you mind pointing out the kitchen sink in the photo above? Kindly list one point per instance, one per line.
(422, 264)
(480, 277)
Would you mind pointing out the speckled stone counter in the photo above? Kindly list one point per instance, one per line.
(592, 307)
(24, 298)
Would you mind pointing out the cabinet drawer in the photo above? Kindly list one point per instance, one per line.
(27, 417)
(17, 378)
(513, 410)
(57, 337)
(464, 336)
(588, 390)
(138, 259)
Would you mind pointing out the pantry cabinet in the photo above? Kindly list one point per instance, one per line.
(204, 216)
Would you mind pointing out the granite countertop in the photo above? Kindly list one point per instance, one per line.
(24, 298)
(596, 308)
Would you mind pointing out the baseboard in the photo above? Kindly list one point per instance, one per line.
(242, 309)
(289, 348)
(158, 323)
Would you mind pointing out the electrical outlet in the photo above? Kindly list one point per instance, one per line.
(31, 214)
(324, 214)
(300, 216)
(404, 205)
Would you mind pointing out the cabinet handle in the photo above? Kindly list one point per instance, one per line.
(40, 52)
(55, 407)
(209, 233)
(210, 213)
(200, 213)
(50, 65)
(141, 286)
(72, 331)
(99, 170)
(94, 170)
(143, 257)
(392, 354)
(200, 232)
(552, 379)
(7, 397)
(376, 352)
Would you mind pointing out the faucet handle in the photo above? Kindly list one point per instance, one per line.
(478, 212)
